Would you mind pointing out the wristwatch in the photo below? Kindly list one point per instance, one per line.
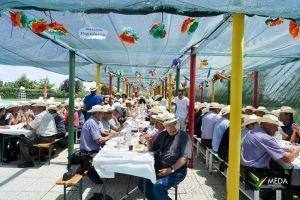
(172, 169)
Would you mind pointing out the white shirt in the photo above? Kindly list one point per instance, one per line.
(181, 107)
(44, 124)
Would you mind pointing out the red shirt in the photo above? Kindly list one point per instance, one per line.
(76, 118)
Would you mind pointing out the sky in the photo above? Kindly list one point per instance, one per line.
(12, 73)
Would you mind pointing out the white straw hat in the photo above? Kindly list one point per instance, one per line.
(225, 110)
(275, 112)
(272, 119)
(249, 108)
(53, 107)
(2, 106)
(13, 105)
(96, 108)
(39, 103)
(262, 109)
(108, 108)
(93, 87)
(250, 119)
(158, 109)
(286, 109)
(214, 105)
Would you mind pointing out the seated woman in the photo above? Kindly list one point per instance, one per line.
(27, 112)
(59, 123)
(14, 116)
(3, 120)
(106, 126)
(173, 149)
(66, 116)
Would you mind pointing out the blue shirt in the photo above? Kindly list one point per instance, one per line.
(258, 148)
(90, 134)
(208, 124)
(219, 130)
(92, 100)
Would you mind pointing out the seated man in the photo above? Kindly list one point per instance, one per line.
(173, 148)
(59, 122)
(259, 145)
(260, 111)
(208, 123)
(45, 132)
(91, 139)
(220, 128)
(3, 120)
(105, 124)
(286, 115)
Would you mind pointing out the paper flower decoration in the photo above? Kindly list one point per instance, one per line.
(274, 21)
(37, 26)
(203, 63)
(295, 28)
(18, 19)
(189, 26)
(175, 62)
(219, 76)
(183, 84)
(57, 29)
(128, 35)
(157, 30)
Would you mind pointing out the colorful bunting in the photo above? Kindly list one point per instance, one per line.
(157, 30)
(219, 76)
(176, 62)
(295, 28)
(37, 26)
(189, 26)
(208, 74)
(18, 19)
(57, 29)
(274, 21)
(128, 35)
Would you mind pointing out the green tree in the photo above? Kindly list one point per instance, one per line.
(23, 81)
(42, 81)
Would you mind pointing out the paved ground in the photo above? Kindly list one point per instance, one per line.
(39, 183)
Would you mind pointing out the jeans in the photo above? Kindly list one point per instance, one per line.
(159, 190)
(182, 123)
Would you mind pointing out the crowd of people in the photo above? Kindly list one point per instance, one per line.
(99, 119)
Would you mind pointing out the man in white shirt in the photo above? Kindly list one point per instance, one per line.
(44, 129)
(181, 109)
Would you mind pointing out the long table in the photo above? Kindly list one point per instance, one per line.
(12, 132)
(116, 158)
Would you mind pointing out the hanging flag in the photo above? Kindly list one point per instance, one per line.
(152, 73)
(45, 89)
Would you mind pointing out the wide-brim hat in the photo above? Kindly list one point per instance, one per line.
(13, 105)
(250, 119)
(93, 87)
(53, 107)
(286, 109)
(78, 105)
(225, 110)
(275, 112)
(96, 108)
(158, 109)
(157, 97)
(205, 110)
(262, 109)
(271, 119)
(107, 108)
(215, 105)
(249, 108)
(2, 106)
(26, 104)
(170, 121)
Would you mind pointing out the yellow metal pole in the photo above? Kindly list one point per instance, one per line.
(212, 94)
(98, 78)
(170, 92)
(236, 88)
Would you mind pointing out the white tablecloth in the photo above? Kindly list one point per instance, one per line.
(111, 160)
(16, 130)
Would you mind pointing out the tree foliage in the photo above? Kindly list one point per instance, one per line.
(64, 86)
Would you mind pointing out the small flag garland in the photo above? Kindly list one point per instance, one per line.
(274, 21)
(294, 28)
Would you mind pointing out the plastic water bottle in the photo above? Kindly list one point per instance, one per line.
(278, 136)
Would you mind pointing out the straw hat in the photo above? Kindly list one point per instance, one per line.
(13, 105)
(205, 110)
(250, 119)
(249, 108)
(26, 104)
(108, 108)
(262, 109)
(96, 108)
(158, 109)
(77, 105)
(39, 103)
(157, 97)
(275, 112)
(272, 119)
(93, 87)
(214, 105)
(51, 100)
(286, 109)
(170, 118)
(53, 107)
(2, 106)
(225, 110)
